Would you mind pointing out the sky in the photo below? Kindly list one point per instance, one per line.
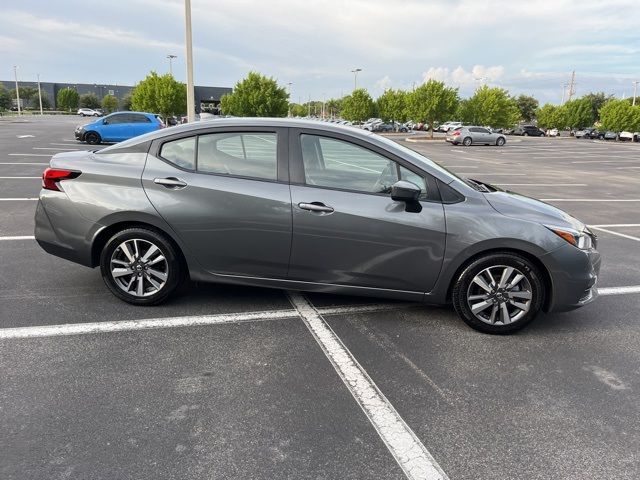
(528, 47)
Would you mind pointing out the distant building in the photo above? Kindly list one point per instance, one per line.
(207, 98)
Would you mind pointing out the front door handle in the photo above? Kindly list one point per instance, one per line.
(316, 207)
(170, 182)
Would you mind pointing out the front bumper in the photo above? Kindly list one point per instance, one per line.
(79, 133)
(574, 277)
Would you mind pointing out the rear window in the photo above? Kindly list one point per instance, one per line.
(180, 152)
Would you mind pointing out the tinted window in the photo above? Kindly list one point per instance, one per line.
(137, 118)
(338, 164)
(483, 130)
(180, 152)
(115, 119)
(475, 130)
(252, 155)
(419, 180)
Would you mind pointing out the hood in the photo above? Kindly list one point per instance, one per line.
(514, 205)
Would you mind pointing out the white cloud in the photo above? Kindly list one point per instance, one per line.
(461, 77)
(384, 83)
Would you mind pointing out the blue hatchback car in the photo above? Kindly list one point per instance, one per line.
(118, 126)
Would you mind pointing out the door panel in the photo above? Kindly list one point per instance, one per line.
(368, 240)
(233, 226)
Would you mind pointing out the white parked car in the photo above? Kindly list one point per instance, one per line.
(89, 112)
(553, 132)
(628, 136)
(445, 127)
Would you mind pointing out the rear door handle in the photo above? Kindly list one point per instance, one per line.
(170, 182)
(316, 207)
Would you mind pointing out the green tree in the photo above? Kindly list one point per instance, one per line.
(358, 106)
(392, 105)
(491, 106)
(579, 113)
(5, 99)
(551, 116)
(26, 95)
(333, 107)
(125, 102)
(67, 99)
(160, 94)
(597, 100)
(527, 105)
(619, 115)
(89, 100)
(297, 110)
(432, 102)
(256, 96)
(109, 103)
(34, 103)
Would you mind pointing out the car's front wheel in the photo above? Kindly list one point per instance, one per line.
(92, 138)
(499, 293)
(141, 266)
(500, 141)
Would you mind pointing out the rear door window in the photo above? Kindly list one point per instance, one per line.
(180, 152)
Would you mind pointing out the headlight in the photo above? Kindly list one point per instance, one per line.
(584, 239)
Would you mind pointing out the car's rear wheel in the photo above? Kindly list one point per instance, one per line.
(499, 293)
(92, 138)
(141, 266)
(525, 134)
(500, 141)
(467, 141)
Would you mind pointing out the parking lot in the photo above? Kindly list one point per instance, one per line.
(236, 382)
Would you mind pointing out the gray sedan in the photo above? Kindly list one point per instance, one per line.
(475, 136)
(310, 206)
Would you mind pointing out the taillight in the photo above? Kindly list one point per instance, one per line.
(51, 177)
(456, 133)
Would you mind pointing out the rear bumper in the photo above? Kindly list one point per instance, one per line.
(68, 241)
(574, 277)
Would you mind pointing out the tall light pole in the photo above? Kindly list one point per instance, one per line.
(289, 100)
(355, 77)
(39, 94)
(191, 104)
(635, 88)
(15, 75)
(171, 57)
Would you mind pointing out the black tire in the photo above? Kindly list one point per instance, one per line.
(467, 141)
(82, 114)
(463, 283)
(176, 271)
(92, 138)
(500, 141)
(525, 134)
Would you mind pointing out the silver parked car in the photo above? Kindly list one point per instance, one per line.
(475, 136)
(310, 206)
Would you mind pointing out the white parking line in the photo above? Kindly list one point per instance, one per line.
(412, 456)
(617, 225)
(23, 163)
(58, 149)
(29, 154)
(589, 200)
(623, 235)
(18, 199)
(619, 290)
(21, 237)
(77, 144)
(152, 323)
(544, 184)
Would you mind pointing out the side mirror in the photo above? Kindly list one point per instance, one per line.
(105, 122)
(403, 191)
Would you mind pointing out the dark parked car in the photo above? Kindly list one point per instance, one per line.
(118, 126)
(609, 135)
(313, 206)
(528, 131)
(591, 133)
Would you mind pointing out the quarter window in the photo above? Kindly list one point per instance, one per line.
(180, 152)
(339, 164)
(253, 155)
(419, 180)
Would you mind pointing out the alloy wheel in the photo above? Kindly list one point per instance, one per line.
(139, 267)
(499, 295)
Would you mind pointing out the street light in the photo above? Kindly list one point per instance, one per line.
(355, 77)
(15, 75)
(39, 94)
(191, 104)
(171, 57)
(635, 88)
(289, 95)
